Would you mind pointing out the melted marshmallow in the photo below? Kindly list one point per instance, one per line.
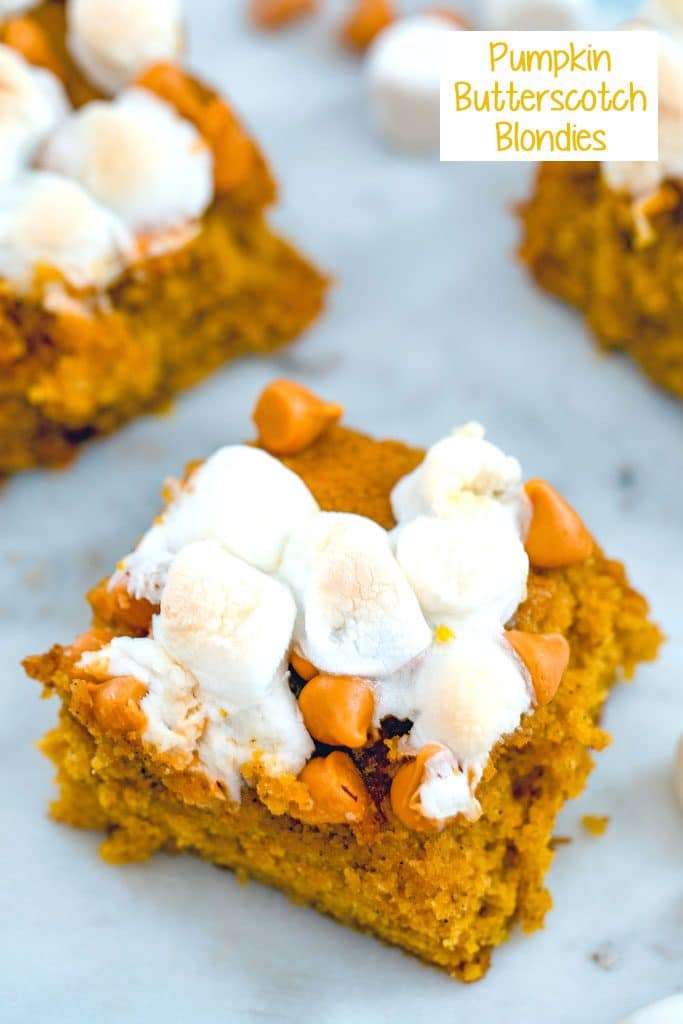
(460, 469)
(357, 612)
(137, 157)
(240, 497)
(48, 221)
(113, 41)
(174, 718)
(402, 68)
(229, 624)
(32, 102)
(469, 693)
(445, 789)
(471, 564)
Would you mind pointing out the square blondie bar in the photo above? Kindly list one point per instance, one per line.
(135, 252)
(367, 675)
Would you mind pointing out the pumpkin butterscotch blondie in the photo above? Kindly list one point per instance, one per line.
(365, 674)
(135, 253)
(607, 238)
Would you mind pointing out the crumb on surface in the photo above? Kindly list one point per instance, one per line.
(595, 824)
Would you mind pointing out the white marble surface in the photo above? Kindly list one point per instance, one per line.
(431, 323)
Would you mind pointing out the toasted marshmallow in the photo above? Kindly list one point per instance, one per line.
(112, 41)
(49, 221)
(138, 158)
(272, 731)
(227, 623)
(469, 693)
(16, 6)
(460, 469)
(471, 564)
(536, 15)
(240, 497)
(666, 1011)
(357, 612)
(32, 102)
(445, 790)
(402, 69)
(174, 717)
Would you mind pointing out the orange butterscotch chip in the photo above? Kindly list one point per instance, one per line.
(337, 790)
(546, 656)
(556, 536)
(116, 704)
(366, 20)
(233, 150)
(117, 605)
(289, 418)
(302, 666)
(272, 14)
(405, 800)
(30, 40)
(337, 710)
(93, 640)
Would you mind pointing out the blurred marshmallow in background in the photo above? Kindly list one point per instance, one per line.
(537, 15)
(402, 68)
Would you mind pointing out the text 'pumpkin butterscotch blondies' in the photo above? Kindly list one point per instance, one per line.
(366, 674)
(135, 257)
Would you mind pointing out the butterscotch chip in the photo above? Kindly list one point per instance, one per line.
(274, 14)
(233, 150)
(337, 710)
(404, 792)
(302, 666)
(337, 790)
(557, 536)
(289, 417)
(366, 20)
(546, 656)
(116, 705)
(117, 605)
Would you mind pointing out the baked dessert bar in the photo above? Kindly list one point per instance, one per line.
(607, 239)
(135, 253)
(365, 674)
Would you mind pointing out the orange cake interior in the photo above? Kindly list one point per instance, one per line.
(350, 833)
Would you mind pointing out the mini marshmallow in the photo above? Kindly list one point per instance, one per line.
(32, 102)
(174, 718)
(272, 730)
(445, 789)
(460, 469)
(666, 1011)
(241, 497)
(46, 220)
(471, 564)
(402, 70)
(137, 157)
(227, 623)
(470, 692)
(536, 15)
(113, 41)
(357, 612)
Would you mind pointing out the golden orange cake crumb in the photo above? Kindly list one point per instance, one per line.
(349, 834)
(595, 824)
